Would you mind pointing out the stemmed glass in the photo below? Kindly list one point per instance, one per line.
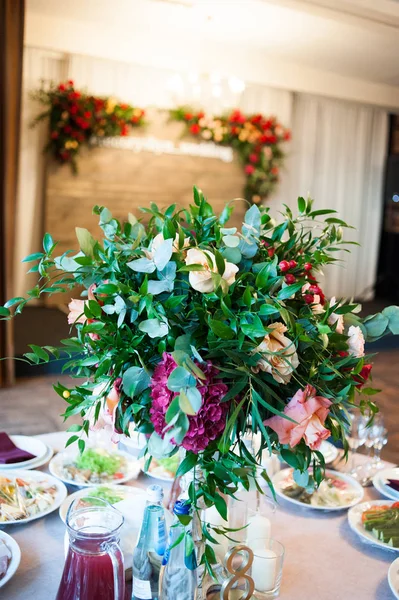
(377, 438)
(357, 435)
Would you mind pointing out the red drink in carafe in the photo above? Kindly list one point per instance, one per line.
(94, 567)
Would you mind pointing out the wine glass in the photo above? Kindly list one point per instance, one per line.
(357, 435)
(378, 438)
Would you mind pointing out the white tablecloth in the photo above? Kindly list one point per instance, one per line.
(324, 559)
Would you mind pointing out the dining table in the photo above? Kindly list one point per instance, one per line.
(324, 558)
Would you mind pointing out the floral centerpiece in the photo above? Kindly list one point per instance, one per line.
(200, 334)
(257, 139)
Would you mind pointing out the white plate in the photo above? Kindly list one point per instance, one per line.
(55, 468)
(37, 476)
(32, 445)
(279, 477)
(380, 479)
(393, 578)
(355, 523)
(159, 477)
(128, 491)
(329, 452)
(15, 557)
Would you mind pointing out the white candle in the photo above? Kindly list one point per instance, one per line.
(264, 569)
(259, 527)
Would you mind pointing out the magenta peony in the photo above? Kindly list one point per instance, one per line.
(210, 420)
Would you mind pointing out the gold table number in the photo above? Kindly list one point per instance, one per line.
(233, 556)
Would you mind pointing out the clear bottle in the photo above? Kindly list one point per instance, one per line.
(148, 554)
(179, 576)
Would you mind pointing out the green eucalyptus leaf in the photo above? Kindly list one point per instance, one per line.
(190, 400)
(163, 255)
(180, 378)
(134, 381)
(154, 328)
(376, 325)
(392, 314)
(142, 265)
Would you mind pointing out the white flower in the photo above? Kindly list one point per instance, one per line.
(356, 341)
(334, 318)
(159, 239)
(202, 281)
(280, 357)
(206, 134)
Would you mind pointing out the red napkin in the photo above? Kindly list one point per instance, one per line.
(9, 453)
(394, 483)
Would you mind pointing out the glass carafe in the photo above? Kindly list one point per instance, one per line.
(94, 564)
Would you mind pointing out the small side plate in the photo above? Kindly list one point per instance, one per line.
(15, 557)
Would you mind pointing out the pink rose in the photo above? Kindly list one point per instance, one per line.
(76, 312)
(310, 412)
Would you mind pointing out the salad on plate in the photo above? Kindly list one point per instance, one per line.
(23, 498)
(382, 521)
(95, 466)
(164, 468)
(335, 491)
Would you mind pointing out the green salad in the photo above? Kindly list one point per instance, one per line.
(98, 462)
(104, 493)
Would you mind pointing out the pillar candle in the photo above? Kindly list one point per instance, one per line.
(259, 527)
(264, 569)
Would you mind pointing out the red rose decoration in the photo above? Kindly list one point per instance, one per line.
(249, 169)
(188, 116)
(254, 158)
(195, 128)
(67, 129)
(54, 135)
(74, 109)
(70, 83)
(61, 87)
(87, 114)
(287, 136)
(363, 375)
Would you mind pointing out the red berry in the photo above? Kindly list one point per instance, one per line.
(315, 290)
(290, 278)
(284, 266)
(271, 252)
(308, 298)
(293, 264)
(308, 266)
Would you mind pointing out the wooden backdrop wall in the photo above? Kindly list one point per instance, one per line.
(124, 180)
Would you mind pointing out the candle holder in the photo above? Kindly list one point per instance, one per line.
(267, 567)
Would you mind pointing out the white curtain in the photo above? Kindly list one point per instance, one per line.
(337, 157)
(146, 86)
(40, 67)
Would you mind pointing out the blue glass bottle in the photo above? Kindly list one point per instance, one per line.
(179, 576)
(150, 548)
